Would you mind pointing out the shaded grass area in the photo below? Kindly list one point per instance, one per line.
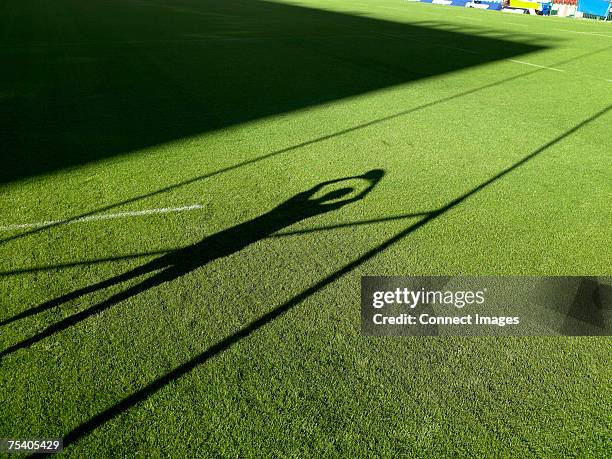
(258, 352)
(127, 75)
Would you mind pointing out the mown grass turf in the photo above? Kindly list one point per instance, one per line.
(238, 106)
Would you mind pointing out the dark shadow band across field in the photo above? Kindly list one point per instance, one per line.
(142, 394)
(113, 76)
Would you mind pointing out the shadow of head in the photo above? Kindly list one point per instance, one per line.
(369, 179)
(331, 194)
(336, 194)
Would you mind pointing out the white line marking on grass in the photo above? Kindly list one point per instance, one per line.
(134, 213)
(585, 33)
(471, 51)
(535, 65)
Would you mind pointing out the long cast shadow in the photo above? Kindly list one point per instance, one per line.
(144, 269)
(115, 77)
(176, 264)
(115, 410)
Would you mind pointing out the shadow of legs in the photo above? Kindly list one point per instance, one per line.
(144, 269)
(164, 276)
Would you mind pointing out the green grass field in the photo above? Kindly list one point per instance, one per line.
(186, 302)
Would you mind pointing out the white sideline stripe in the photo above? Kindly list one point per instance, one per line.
(516, 61)
(135, 213)
(471, 51)
(584, 33)
(535, 65)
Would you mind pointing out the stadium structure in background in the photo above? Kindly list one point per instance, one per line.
(590, 9)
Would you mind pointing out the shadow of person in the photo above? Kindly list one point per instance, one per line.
(179, 262)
